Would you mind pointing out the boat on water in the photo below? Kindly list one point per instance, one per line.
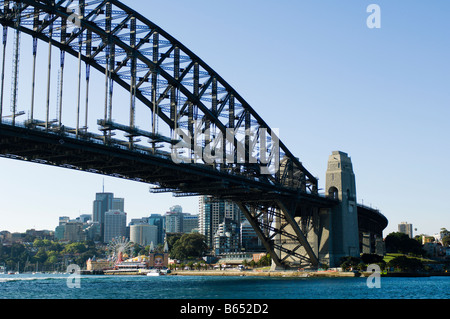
(155, 273)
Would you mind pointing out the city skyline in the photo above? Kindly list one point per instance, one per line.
(381, 95)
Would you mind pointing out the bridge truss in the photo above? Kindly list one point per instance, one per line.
(158, 114)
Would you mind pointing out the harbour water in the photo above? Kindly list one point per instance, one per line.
(57, 286)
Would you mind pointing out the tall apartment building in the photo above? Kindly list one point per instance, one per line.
(174, 222)
(406, 228)
(226, 238)
(214, 212)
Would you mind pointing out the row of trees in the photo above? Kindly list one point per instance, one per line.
(47, 255)
(400, 263)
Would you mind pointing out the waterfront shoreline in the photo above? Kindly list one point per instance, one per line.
(280, 274)
(291, 274)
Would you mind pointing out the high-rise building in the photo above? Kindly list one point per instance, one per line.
(179, 222)
(249, 239)
(159, 221)
(213, 212)
(103, 203)
(174, 222)
(190, 223)
(118, 204)
(406, 228)
(63, 220)
(226, 238)
(115, 225)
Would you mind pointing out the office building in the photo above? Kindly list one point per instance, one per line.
(73, 231)
(115, 225)
(103, 203)
(159, 221)
(249, 239)
(118, 204)
(190, 223)
(179, 222)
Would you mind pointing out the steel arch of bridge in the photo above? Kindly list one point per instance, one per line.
(176, 85)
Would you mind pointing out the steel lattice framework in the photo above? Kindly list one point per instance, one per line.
(190, 106)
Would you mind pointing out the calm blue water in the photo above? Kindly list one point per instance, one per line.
(42, 286)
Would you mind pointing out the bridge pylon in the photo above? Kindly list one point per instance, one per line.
(340, 184)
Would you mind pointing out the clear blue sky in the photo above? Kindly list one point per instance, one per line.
(314, 70)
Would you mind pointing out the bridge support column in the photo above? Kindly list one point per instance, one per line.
(324, 238)
(366, 243)
(344, 229)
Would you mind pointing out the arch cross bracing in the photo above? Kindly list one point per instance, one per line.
(193, 110)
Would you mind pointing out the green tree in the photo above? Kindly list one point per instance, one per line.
(265, 261)
(446, 241)
(41, 256)
(350, 262)
(75, 248)
(401, 243)
(189, 246)
(172, 239)
(51, 260)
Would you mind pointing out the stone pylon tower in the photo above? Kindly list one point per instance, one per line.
(340, 184)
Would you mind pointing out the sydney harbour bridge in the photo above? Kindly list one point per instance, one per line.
(95, 86)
